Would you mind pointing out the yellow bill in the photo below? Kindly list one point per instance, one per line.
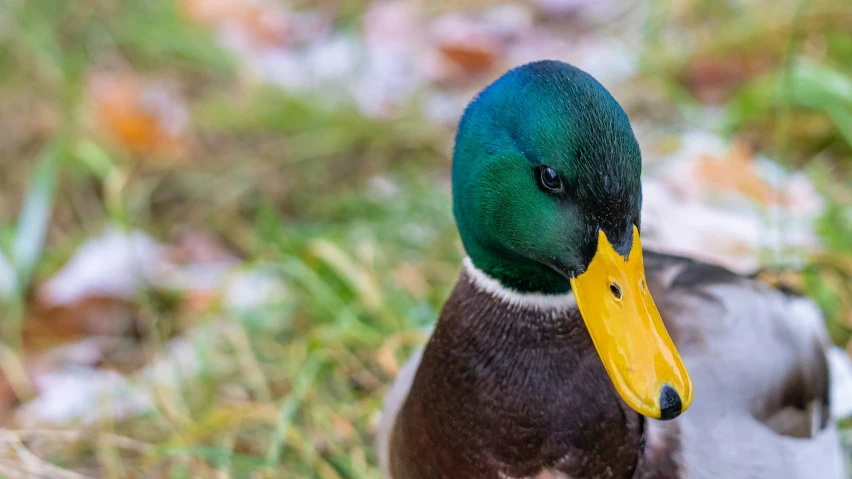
(629, 335)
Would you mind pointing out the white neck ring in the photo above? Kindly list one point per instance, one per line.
(537, 301)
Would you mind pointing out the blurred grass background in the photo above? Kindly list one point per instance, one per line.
(349, 211)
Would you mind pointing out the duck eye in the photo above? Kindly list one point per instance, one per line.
(549, 179)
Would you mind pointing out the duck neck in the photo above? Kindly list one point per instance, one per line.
(560, 301)
(516, 273)
(513, 380)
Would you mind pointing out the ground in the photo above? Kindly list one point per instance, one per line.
(225, 225)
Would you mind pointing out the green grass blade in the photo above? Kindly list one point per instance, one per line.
(35, 215)
(289, 407)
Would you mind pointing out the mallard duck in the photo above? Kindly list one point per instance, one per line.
(565, 350)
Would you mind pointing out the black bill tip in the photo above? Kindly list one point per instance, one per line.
(670, 404)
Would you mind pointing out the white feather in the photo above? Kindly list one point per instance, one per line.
(537, 301)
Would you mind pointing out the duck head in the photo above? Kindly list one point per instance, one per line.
(546, 195)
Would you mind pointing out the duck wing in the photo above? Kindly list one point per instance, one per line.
(393, 402)
(757, 358)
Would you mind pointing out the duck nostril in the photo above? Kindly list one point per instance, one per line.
(615, 290)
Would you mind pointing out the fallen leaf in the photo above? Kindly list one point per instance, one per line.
(117, 265)
(718, 202)
(141, 115)
(712, 80)
(467, 44)
(260, 23)
(49, 326)
(736, 172)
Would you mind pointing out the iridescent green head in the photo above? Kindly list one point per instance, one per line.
(547, 195)
(544, 158)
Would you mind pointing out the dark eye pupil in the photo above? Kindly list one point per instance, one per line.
(549, 179)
